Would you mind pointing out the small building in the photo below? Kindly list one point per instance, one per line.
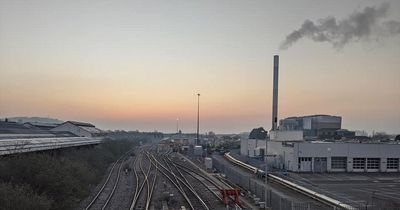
(198, 150)
(252, 147)
(78, 129)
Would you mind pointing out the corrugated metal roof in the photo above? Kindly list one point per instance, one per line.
(80, 124)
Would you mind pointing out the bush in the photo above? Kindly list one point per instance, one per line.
(22, 197)
(65, 178)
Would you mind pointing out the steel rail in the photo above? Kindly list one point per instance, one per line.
(191, 189)
(120, 160)
(136, 196)
(183, 193)
(152, 188)
(115, 185)
(190, 171)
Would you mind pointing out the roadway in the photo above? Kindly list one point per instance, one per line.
(352, 188)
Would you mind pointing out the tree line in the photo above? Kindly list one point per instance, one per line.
(56, 179)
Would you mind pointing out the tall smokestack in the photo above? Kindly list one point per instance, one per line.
(275, 93)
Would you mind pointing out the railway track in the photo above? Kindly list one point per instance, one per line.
(106, 192)
(212, 186)
(190, 187)
(150, 169)
(204, 191)
(193, 200)
(148, 177)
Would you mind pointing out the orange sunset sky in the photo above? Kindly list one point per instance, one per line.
(139, 64)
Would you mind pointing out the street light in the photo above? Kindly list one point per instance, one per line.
(198, 117)
(177, 125)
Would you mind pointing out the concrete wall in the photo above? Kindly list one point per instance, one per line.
(281, 155)
(243, 147)
(348, 150)
(248, 147)
(286, 135)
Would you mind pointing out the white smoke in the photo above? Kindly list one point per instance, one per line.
(370, 22)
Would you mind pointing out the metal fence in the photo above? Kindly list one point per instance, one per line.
(256, 189)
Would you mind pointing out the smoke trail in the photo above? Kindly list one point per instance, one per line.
(360, 25)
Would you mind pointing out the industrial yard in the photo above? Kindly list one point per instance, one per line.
(361, 189)
(199, 105)
(154, 178)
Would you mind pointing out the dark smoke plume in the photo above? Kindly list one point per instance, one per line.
(364, 24)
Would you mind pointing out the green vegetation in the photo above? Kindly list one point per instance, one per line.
(56, 180)
(258, 133)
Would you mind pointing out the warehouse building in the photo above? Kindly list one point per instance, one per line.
(319, 156)
(79, 129)
(288, 151)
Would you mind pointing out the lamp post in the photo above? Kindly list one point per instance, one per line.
(177, 125)
(198, 118)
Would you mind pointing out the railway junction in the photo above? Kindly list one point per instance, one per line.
(155, 177)
(150, 177)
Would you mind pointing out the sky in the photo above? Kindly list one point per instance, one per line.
(138, 65)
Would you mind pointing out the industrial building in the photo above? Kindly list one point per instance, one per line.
(31, 137)
(78, 129)
(42, 126)
(289, 146)
(320, 156)
(322, 126)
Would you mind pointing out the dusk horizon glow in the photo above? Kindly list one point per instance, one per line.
(139, 65)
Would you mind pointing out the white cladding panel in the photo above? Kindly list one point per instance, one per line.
(307, 123)
(281, 156)
(198, 150)
(248, 147)
(208, 163)
(286, 135)
(243, 147)
(300, 156)
(347, 149)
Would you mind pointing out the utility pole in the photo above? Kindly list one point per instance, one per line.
(198, 117)
(177, 125)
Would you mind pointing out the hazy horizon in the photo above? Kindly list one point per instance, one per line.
(139, 64)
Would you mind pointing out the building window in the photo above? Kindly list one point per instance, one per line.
(305, 163)
(302, 159)
(358, 163)
(393, 163)
(373, 163)
(338, 162)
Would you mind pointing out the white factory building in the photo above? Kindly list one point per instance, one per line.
(318, 156)
(255, 148)
(321, 156)
(287, 148)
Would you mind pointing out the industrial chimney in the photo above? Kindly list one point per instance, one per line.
(275, 93)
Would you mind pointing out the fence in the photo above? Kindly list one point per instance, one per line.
(256, 189)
